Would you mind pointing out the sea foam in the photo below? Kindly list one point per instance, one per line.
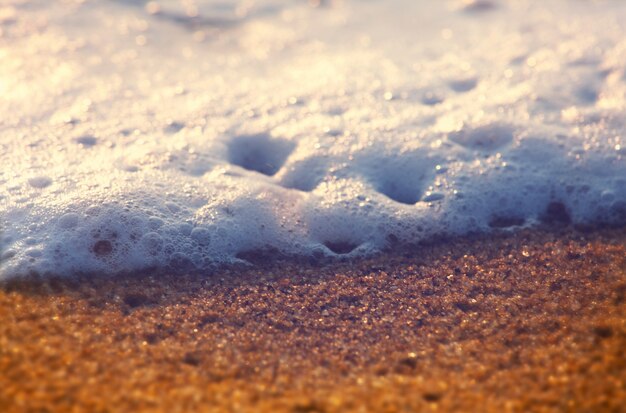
(178, 136)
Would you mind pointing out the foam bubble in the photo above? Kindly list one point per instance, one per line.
(40, 182)
(177, 143)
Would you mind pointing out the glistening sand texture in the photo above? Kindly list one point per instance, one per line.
(530, 322)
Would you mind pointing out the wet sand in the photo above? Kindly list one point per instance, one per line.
(529, 322)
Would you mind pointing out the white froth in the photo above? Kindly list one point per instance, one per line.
(176, 135)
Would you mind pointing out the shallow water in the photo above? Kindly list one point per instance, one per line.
(178, 135)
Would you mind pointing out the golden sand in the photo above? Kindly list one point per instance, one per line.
(530, 322)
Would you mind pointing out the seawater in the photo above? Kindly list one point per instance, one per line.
(181, 135)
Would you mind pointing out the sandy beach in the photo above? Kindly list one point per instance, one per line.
(242, 206)
(529, 322)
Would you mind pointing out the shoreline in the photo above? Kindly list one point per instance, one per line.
(531, 321)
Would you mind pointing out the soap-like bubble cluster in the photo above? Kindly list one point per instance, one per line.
(193, 135)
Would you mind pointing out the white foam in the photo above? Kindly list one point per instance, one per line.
(176, 137)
